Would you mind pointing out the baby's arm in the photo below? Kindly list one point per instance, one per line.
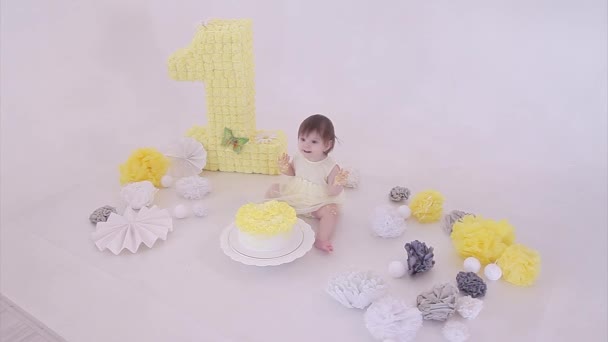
(285, 166)
(336, 180)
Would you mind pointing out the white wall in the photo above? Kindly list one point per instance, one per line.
(513, 88)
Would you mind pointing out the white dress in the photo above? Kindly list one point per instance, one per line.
(307, 191)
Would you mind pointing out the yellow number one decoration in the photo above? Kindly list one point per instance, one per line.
(221, 55)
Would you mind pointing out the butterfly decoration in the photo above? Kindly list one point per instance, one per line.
(230, 140)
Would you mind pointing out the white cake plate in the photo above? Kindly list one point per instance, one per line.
(301, 242)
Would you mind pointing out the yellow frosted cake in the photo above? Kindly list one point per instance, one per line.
(265, 226)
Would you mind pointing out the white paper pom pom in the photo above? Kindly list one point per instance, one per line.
(396, 269)
(353, 178)
(139, 194)
(389, 318)
(200, 210)
(387, 222)
(356, 289)
(404, 211)
(492, 272)
(166, 181)
(180, 211)
(471, 264)
(193, 187)
(455, 331)
(469, 307)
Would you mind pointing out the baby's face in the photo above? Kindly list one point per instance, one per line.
(312, 146)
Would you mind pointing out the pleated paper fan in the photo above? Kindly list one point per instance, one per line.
(188, 157)
(132, 229)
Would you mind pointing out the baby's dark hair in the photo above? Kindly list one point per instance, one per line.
(320, 124)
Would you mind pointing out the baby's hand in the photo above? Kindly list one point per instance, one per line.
(283, 162)
(341, 178)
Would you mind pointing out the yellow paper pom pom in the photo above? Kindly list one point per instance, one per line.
(486, 240)
(268, 218)
(520, 265)
(144, 164)
(427, 206)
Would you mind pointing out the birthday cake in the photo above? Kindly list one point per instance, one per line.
(265, 226)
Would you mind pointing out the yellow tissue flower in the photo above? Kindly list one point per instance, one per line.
(144, 164)
(427, 206)
(520, 265)
(484, 239)
(268, 218)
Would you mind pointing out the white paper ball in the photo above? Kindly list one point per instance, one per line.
(469, 307)
(389, 318)
(471, 264)
(396, 269)
(387, 222)
(200, 210)
(166, 181)
(180, 211)
(492, 272)
(455, 331)
(404, 211)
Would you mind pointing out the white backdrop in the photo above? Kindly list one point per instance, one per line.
(501, 105)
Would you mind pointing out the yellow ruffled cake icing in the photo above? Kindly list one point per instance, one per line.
(268, 218)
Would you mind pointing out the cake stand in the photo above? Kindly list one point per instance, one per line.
(301, 242)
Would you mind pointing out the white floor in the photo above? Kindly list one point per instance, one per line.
(502, 107)
(18, 326)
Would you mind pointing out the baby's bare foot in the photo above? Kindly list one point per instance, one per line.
(325, 246)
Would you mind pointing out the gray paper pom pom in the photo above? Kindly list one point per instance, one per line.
(102, 214)
(419, 257)
(439, 303)
(471, 284)
(451, 218)
(399, 193)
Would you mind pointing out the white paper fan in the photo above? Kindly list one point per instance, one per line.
(132, 229)
(188, 157)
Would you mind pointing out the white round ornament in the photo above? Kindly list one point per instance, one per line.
(396, 269)
(404, 211)
(492, 272)
(166, 181)
(180, 211)
(471, 264)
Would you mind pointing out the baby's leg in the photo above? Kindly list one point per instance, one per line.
(273, 191)
(328, 219)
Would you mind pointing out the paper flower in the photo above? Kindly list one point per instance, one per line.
(399, 193)
(131, 230)
(352, 181)
(101, 214)
(419, 257)
(193, 187)
(356, 289)
(469, 307)
(188, 157)
(451, 218)
(455, 331)
(387, 222)
(200, 210)
(439, 303)
(144, 164)
(471, 284)
(520, 265)
(264, 137)
(138, 195)
(427, 206)
(486, 240)
(390, 319)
